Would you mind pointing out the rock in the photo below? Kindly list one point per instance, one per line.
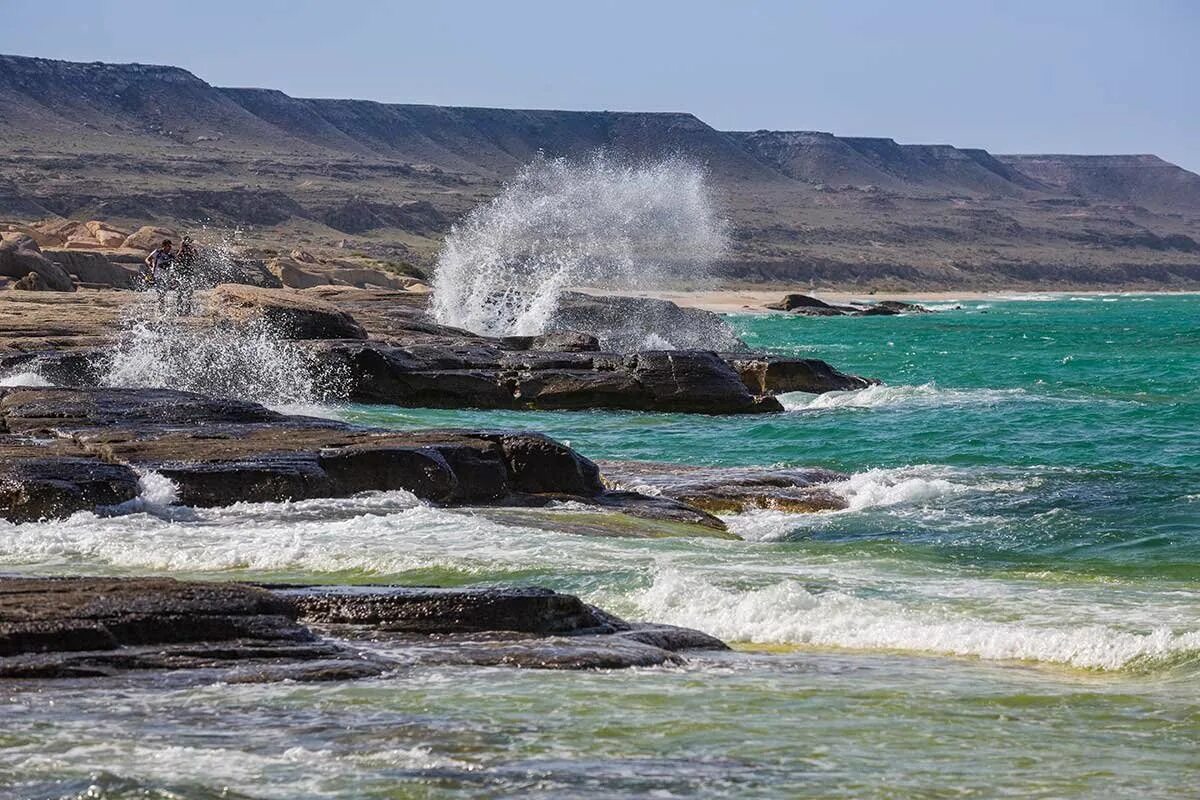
(564, 342)
(96, 268)
(294, 315)
(56, 615)
(441, 611)
(812, 307)
(56, 231)
(149, 237)
(99, 627)
(791, 302)
(218, 452)
(41, 238)
(33, 486)
(723, 490)
(631, 324)
(765, 374)
(21, 255)
(890, 307)
(481, 376)
(105, 234)
(696, 381)
(306, 275)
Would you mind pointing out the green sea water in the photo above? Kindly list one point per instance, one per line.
(1010, 606)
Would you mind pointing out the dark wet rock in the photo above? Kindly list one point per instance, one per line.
(442, 611)
(96, 627)
(671, 637)
(563, 342)
(558, 652)
(294, 314)
(479, 376)
(64, 615)
(74, 449)
(37, 487)
(766, 374)
(805, 305)
(633, 324)
(730, 489)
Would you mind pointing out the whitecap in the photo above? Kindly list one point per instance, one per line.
(885, 396)
(788, 612)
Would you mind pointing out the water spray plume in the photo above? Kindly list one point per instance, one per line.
(600, 223)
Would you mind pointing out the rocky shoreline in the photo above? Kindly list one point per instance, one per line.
(80, 627)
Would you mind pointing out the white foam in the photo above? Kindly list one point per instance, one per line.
(24, 379)
(885, 396)
(786, 612)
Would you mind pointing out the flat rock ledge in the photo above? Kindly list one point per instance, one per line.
(81, 627)
(67, 450)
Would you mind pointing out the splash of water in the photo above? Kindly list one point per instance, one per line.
(602, 223)
(213, 355)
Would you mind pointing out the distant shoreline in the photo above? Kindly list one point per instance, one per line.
(741, 301)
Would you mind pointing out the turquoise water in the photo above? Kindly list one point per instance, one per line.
(1010, 606)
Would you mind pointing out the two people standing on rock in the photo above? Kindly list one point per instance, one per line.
(169, 270)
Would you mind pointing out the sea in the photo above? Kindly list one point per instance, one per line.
(1008, 607)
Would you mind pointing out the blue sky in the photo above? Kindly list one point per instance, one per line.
(1048, 76)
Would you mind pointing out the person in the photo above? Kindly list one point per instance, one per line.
(184, 270)
(158, 274)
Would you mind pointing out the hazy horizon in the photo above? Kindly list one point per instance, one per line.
(1019, 77)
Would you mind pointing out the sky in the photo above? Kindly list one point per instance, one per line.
(1011, 77)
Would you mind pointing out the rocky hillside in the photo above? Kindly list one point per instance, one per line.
(146, 145)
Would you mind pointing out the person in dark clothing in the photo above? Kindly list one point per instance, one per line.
(184, 271)
(158, 272)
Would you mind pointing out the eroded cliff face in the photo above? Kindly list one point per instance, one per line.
(136, 145)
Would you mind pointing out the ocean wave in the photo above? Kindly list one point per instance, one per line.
(925, 488)
(788, 612)
(884, 396)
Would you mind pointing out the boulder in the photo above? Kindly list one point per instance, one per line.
(295, 274)
(21, 255)
(56, 231)
(805, 305)
(148, 237)
(631, 324)
(482, 376)
(696, 380)
(294, 315)
(96, 268)
(106, 235)
(34, 487)
(767, 374)
(42, 239)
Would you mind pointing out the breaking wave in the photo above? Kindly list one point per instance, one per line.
(883, 396)
(787, 612)
(558, 223)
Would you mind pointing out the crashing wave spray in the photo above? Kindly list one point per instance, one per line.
(602, 223)
(216, 356)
